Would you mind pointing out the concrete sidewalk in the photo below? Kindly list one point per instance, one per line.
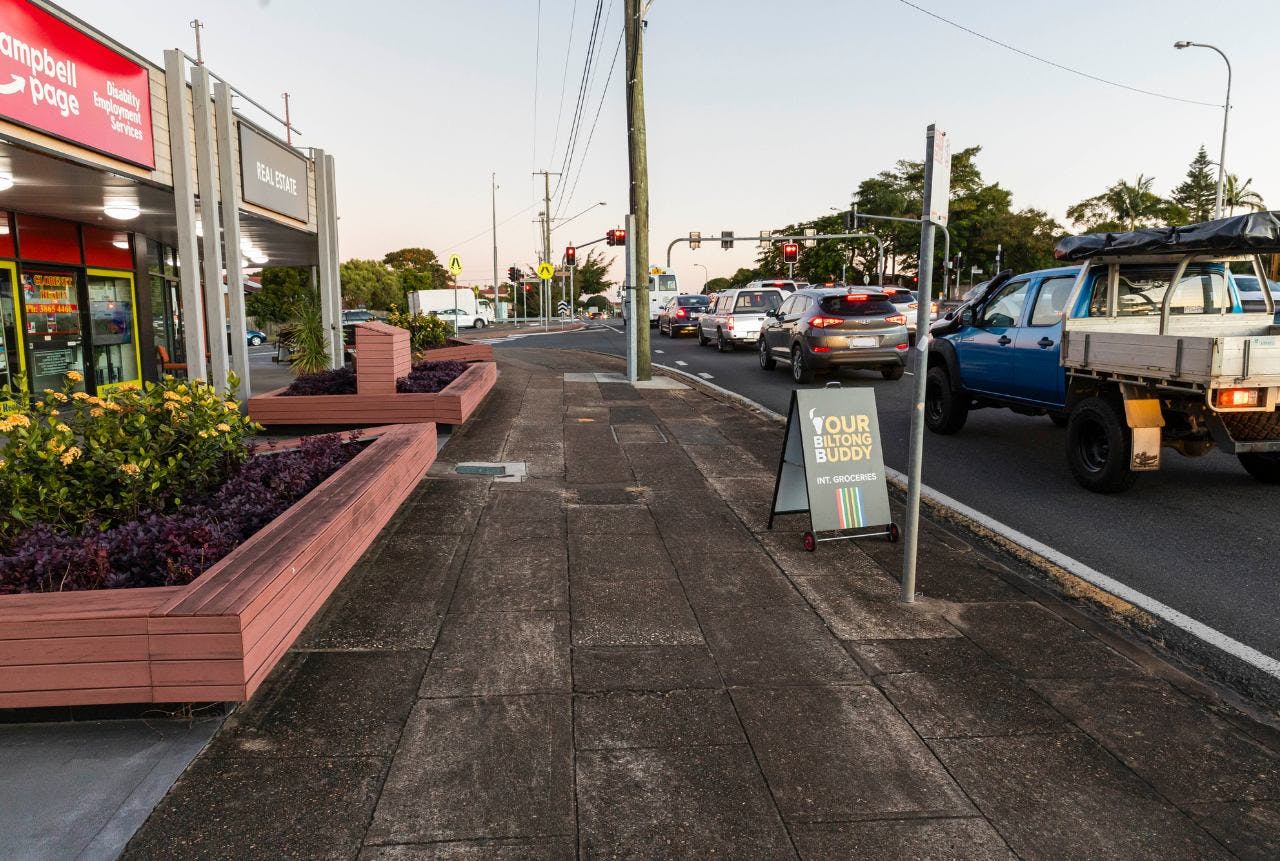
(615, 659)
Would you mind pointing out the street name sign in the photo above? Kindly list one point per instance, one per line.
(832, 465)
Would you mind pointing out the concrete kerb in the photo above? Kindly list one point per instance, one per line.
(1198, 648)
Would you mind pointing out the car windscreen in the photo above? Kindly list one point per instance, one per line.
(1247, 284)
(856, 305)
(757, 300)
(693, 301)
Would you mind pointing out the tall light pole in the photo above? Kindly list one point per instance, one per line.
(704, 276)
(1226, 114)
(493, 204)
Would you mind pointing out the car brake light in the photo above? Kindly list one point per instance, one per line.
(900, 346)
(855, 297)
(913, 305)
(826, 322)
(1237, 398)
(680, 312)
(896, 319)
(820, 349)
(730, 322)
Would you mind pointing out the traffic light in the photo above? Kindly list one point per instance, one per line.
(695, 239)
(726, 239)
(790, 252)
(571, 256)
(513, 275)
(616, 237)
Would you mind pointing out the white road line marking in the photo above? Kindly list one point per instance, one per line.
(705, 375)
(659, 351)
(682, 364)
(1247, 654)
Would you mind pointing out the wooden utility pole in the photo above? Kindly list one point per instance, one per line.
(638, 162)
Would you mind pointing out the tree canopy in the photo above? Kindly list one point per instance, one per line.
(419, 269)
(285, 289)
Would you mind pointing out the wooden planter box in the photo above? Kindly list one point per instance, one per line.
(460, 351)
(453, 405)
(218, 637)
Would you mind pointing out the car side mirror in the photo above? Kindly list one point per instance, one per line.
(772, 312)
(968, 317)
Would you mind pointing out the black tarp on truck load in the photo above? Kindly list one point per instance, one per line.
(1254, 233)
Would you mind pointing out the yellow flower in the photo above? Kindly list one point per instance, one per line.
(224, 427)
(69, 455)
(61, 428)
(129, 387)
(231, 405)
(80, 396)
(18, 420)
(131, 469)
(75, 376)
(56, 446)
(97, 412)
(204, 434)
(182, 387)
(114, 407)
(59, 397)
(3, 462)
(39, 405)
(48, 391)
(172, 396)
(171, 406)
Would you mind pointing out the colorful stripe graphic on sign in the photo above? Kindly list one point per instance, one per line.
(849, 508)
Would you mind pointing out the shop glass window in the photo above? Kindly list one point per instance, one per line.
(6, 235)
(51, 317)
(9, 340)
(115, 352)
(109, 249)
(48, 240)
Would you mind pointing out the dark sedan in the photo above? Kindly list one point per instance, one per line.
(825, 329)
(681, 314)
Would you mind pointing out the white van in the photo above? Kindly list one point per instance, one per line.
(736, 315)
(662, 288)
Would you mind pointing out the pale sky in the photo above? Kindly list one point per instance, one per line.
(759, 113)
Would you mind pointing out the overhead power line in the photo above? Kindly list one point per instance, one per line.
(584, 87)
(568, 201)
(1039, 59)
(564, 78)
(456, 245)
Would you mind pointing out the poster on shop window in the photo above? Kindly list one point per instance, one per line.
(832, 465)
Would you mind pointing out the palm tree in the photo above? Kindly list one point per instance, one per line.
(1123, 206)
(1239, 194)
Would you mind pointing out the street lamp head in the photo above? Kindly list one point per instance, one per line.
(1182, 44)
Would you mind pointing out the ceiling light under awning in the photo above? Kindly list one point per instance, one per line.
(122, 210)
(6, 181)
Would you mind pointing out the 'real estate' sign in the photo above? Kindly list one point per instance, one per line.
(833, 463)
(58, 80)
(272, 175)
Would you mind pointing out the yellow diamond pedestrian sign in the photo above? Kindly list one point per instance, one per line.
(455, 265)
(546, 270)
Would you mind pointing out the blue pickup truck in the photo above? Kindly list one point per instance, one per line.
(1142, 346)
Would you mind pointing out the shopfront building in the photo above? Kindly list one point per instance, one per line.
(130, 194)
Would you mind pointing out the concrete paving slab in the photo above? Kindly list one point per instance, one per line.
(1063, 796)
(895, 839)
(532, 849)
(940, 655)
(1249, 829)
(878, 769)
(600, 557)
(480, 768)
(507, 504)
(679, 718)
(1028, 639)
(776, 645)
(263, 808)
(643, 668)
(97, 780)
(971, 704)
(857, 608)
(631, 613)
(327, 704)
(1177, 745)
(677, 797)
(487, 654)
(735, 580)
(506, 583)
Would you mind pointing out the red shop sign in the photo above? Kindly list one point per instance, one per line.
(55, 79)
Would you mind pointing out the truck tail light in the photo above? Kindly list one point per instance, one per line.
(821, 322)
(1236, 399)
(896, 319)
(729, 321)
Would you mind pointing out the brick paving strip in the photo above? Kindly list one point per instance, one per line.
(615, 659)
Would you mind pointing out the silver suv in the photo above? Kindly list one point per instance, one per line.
(736, 315)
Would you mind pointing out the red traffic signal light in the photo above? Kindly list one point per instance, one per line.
(571, 256)
(790, 252)
(513, 275)
(615, 237)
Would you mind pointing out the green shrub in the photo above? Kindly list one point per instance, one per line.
(425, 331)
(68, 458)
(307, 341)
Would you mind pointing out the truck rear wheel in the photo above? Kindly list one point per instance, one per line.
(945, 409)
(1264, 466)
(1099, 446)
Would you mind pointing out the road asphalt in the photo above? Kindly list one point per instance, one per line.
(1199, 535)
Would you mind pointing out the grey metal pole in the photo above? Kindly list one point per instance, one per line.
(215, 313)
(925, 300)
(1226, 113)
(229, 191)
(493, 205)
(999, 251)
